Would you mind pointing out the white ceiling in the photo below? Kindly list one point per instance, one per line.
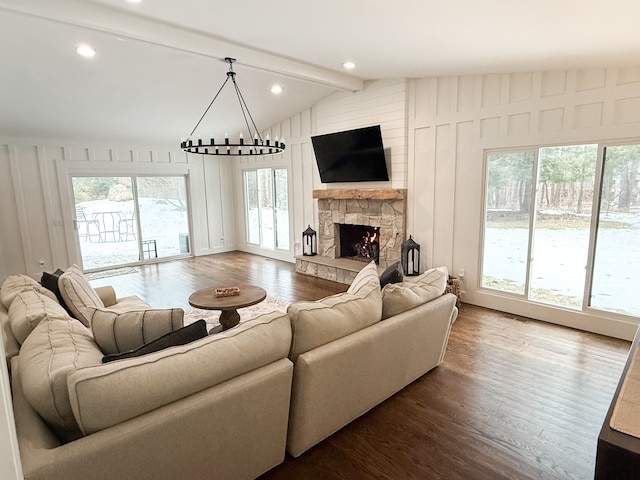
(160, 62)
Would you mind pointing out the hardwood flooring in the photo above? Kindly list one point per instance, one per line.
(514, 398)
(169, 284)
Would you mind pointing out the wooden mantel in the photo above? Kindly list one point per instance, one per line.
(357, 193)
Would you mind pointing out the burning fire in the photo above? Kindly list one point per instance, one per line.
(370, 242)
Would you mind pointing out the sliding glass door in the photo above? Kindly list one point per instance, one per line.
(507, 220)
(573, 241)
(616, 266)
(266, 196)
(127, 220)
(562, 216)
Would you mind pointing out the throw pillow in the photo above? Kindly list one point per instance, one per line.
(317, 323)
(393, 274)
(120, 332)
(15, 284)
(78, 294)
(366, 277)
(50, 282)
(28, 309)
(182, 336)
(400, 297)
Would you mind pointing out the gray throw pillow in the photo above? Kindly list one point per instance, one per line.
(393, 274)
(182, 336)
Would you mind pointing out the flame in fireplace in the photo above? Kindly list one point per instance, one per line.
(360, 242)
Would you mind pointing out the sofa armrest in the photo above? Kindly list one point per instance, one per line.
(107, 294)
(11, 345)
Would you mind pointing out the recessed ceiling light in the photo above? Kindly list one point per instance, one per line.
(277, 89)
(349, 65)
(134, 1)
(86, 51)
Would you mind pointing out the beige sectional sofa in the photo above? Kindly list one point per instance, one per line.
(223, 406)
(214, 408)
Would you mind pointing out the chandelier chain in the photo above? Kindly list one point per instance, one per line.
(205, 112)
(245, 110)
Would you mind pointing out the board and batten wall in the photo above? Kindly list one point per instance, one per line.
(37, 200)
(454, 120)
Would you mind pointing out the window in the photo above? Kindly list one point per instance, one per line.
(267, 207)
(577, 231)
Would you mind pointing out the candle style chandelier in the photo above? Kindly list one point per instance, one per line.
(258, 146)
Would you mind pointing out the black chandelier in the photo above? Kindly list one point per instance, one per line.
(258, 146)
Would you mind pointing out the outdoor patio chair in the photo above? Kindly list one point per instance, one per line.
(126, 227)
(81, 219)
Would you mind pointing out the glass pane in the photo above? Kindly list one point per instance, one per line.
(251, 199)
(616, 270)
(163, 216)
(265, 199)
(103, 209)
(282, 209)
(563, 215)
(507, 217)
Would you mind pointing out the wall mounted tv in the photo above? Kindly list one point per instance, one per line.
(351, 156)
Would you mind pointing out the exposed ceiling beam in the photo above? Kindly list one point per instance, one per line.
(119, 23)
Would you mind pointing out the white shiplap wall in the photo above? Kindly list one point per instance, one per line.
(382, 102)
(453, 120)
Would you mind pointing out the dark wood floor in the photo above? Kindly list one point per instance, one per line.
(513, 399)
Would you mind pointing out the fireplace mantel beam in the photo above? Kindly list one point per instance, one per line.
(374, 194)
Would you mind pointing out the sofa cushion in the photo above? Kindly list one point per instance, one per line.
(78, 294)
(15, 284)
(414, 291)
(56, 347)
(182, 336)
(160, 378)
(320, 322)
(28, 309)
(120, 332)
(393, 274)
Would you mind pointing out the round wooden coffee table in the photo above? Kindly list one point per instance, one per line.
(207, 300)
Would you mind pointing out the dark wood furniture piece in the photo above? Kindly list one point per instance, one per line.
(618, 454)
(207, 300)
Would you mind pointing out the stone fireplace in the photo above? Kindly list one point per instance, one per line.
(379, 212)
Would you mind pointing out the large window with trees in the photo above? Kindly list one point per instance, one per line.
(561, 225)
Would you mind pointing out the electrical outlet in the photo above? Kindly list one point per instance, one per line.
(461, 273)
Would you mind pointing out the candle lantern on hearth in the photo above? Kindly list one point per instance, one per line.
(410, 257)
(309, 242)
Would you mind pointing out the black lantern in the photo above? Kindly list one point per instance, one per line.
(410, 257)
(309, 245)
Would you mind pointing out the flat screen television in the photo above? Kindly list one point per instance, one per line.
(351, 156)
